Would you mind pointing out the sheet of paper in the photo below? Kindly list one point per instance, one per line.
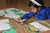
(39, 26)
(10, 15)
(1, 12)
(4, 24)
(4, 20)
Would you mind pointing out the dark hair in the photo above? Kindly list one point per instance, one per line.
(36, 6)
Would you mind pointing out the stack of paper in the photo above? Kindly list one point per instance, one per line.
(4, 24)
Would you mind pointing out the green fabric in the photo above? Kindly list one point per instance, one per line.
(12, 30)
(16, 12)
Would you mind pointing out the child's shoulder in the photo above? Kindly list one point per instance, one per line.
(47, 8)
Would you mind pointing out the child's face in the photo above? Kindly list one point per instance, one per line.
(33, 9)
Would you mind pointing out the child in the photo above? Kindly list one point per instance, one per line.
(38, 11)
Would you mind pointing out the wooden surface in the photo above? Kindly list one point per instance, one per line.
(19, 28)
(20, 4)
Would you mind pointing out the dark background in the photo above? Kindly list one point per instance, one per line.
(20, 4)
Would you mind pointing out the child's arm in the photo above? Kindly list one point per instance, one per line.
(28, 15)
(32, 19)
(25, 17)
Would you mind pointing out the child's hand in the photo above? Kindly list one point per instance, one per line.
(32, 19)
(19, 20)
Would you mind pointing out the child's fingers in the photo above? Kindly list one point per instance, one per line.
(18, 19)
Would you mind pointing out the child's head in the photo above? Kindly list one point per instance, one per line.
(36, 5)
